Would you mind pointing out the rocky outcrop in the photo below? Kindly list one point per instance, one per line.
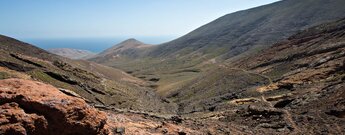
(34, 108)
(29, 107)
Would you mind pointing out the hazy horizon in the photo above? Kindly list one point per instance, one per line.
(37, 21)
(95, 45)
(107, 18)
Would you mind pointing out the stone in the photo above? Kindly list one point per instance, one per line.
(30, 107)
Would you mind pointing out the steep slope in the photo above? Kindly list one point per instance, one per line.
(99, 84)
(315, 55)
(230, 37)
(72, 53)
(9, 44)
(297, 86)
(241, 31)
(248, 30)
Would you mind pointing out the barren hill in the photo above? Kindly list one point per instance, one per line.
(72, 53)
(100, 84)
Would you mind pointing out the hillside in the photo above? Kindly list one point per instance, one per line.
(230, 38)
(9, 44)
(72, 53)
(99, 84)
(249, 30)
(238, 32)
(274, 69)
(124, 51)
(124, 48)
(297, 86)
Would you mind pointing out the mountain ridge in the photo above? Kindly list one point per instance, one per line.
(130, 48)
(275, 69)
(97, 83)
(246, 31)
(227, 39)
(270, 19)
(288, 89)
(123, 46)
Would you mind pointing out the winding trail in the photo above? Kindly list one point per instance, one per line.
(287, 114)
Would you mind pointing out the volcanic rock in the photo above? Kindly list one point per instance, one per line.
(29, 107)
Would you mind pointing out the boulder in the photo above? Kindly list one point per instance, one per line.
(30, 107)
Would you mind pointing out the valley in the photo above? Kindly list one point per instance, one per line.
(273, 69)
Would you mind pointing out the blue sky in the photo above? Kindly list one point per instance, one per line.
(112, 18)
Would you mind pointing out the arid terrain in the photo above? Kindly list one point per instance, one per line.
(274, 69)
(72, 53)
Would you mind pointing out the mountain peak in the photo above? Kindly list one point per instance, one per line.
(128, 44)
(131, 41)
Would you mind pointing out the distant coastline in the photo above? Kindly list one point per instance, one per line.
(95, 45)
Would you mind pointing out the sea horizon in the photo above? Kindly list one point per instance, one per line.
(93, 44)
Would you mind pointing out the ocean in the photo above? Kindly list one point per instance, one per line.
(91, 44)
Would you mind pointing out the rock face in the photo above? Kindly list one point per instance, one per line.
(34, 108)
(29, 107)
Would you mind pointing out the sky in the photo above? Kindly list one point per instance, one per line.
(47, 19)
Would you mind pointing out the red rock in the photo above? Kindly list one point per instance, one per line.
(29, 107)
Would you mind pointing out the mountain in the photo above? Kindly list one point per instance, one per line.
(274, 69)
(294, 87)
(296, 79)
(99, 84)
(242, 31)
(72, 53)
(123, 47)
(229, 38)
(128, 49)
